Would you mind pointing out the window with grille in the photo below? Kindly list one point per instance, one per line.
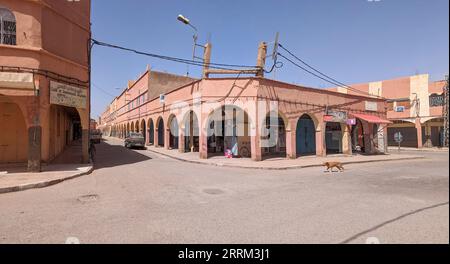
(7, 27)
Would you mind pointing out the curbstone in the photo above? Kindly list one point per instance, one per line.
(279, 168)
(44, 184)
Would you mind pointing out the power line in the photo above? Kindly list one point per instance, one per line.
(104, 91)
(323, 76)
(310, 72)
(221, 66)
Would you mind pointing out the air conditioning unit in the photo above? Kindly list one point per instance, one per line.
(399, 109)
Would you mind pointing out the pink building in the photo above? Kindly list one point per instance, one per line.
(252, 116)
(415, 106)
(44, 80)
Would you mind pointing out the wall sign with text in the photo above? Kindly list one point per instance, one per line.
(371, 106)
(67, 95)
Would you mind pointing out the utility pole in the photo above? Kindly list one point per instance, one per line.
(445, 113)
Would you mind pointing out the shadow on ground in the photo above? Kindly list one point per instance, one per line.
(107, 156)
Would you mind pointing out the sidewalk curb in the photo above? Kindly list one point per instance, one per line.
(281, 168)
(44, 184)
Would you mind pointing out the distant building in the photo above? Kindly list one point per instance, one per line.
(274, 118)
(44, 88)
(93, 124)
(415, 106)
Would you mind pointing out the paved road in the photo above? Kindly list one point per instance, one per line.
(138, 197)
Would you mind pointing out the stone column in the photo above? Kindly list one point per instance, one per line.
(203, 140)
(346, 140)
(85, 146)
(419, 133)
(167, 137)
(291, 150)
(34, 148)
(321, 144)
(181, 141)
(255, 136)
(428, 143)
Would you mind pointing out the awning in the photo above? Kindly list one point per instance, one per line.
(372, 119)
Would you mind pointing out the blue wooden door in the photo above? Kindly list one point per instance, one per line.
(161, 133)
(151, 136)
(305, 137)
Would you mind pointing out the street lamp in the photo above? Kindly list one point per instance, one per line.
(186, 21)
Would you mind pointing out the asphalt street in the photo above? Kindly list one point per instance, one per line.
(134, 196)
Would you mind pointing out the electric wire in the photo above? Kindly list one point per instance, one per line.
(323, 76)
(221, 66)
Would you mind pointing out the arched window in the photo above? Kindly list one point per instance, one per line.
(7, 27)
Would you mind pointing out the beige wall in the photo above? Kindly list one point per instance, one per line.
(13, 134)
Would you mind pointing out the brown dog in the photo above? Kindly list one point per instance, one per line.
(331, 165)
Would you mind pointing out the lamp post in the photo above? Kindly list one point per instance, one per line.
(186, 21)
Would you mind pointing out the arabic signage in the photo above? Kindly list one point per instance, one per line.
(436, 100)
(371, 106)
(335, 116)
(67, 95)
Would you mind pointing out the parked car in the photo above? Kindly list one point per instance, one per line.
(96, 136)
(134, 140)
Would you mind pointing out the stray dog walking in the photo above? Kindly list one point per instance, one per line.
(331, 165)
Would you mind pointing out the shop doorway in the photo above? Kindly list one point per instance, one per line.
(191, 132)
(333, 138)
(305, 136)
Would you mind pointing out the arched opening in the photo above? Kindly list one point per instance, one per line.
(433, 133)
(408, 131)
(151, 132)
(357, 137)
(65, 134)
(333, 138)
(273, 136)
(305, 136)
(143, 129)
(13, 134)
(228, 130)
(375, 132)
(132, 127)
(128, 130)
(160, 125)
(191, 132)
(136, 126)
(173, 132)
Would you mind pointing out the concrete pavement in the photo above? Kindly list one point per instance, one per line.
(276, 163)
(135, 196)
(279, 163)
(61, 169)
(15, 180)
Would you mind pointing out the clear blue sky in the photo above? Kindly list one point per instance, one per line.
(351, 40)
